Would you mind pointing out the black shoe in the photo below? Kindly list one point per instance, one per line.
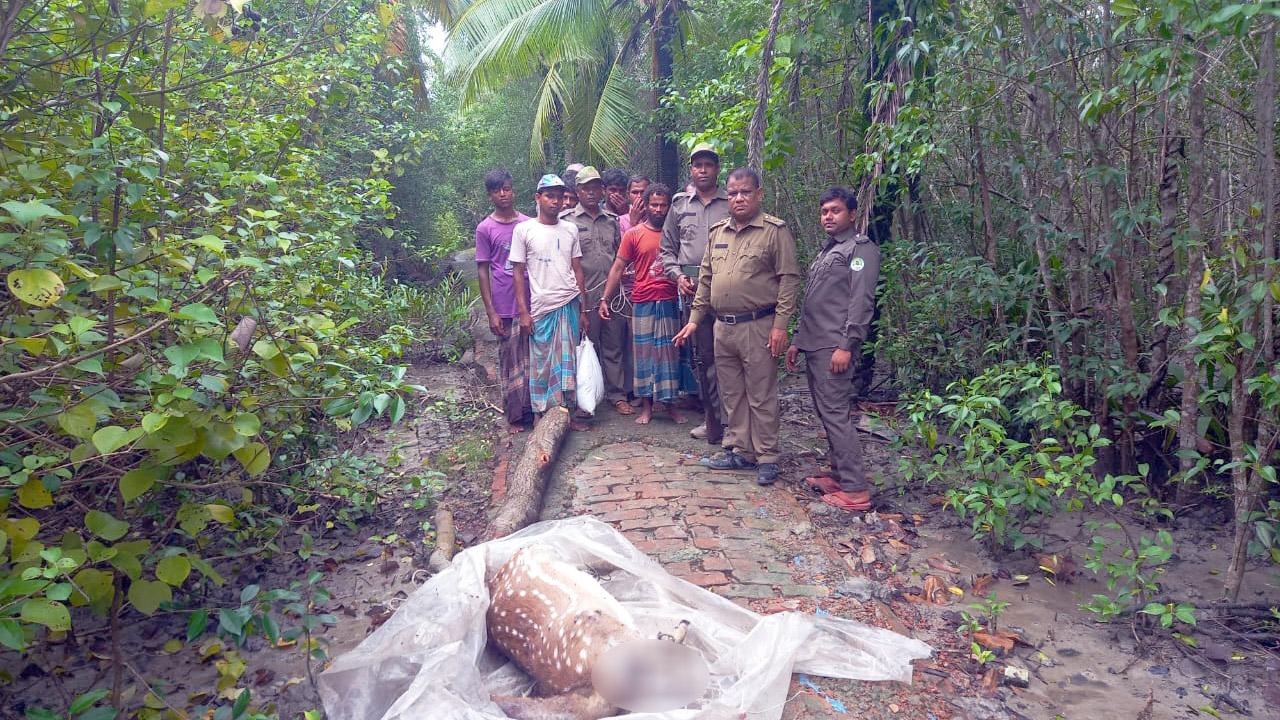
(766, 473)
(727, 460)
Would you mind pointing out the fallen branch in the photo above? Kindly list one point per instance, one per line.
(523, 501)
(446, 536)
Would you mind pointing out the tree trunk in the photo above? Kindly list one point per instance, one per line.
(1197, 188)
(528, 482)
(664, 35)
(760, 118)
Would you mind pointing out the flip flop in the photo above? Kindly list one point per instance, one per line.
(822, 484)
(623, 407)
(850, 502)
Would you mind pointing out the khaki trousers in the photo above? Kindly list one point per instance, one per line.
(833, 397)
(611, 338)
(748, 379)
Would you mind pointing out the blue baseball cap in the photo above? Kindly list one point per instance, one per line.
(550, 180)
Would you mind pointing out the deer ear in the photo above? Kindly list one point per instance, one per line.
(650, 675)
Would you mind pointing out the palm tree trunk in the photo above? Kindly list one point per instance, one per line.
(664, 33)
(759, 118)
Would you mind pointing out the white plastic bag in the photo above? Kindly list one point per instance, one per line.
(590, 378)
(430, 660)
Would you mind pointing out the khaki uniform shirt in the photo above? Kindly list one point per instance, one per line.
(748, 268)
(684, 234)
(600, 238)
(840, 295)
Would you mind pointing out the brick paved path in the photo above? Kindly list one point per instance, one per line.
(718, 530)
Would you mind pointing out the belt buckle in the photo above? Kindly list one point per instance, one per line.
(729, 319)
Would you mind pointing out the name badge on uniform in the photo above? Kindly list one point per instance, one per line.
(857, 264)
(723, 246)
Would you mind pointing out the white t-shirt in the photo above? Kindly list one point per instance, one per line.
(547, 252)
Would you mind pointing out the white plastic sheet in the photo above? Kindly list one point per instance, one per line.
(589, 378)
(429, 660)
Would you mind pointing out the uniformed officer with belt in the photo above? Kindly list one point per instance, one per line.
(599, 236)
(747, 283)
(682, 249)
(839, 299)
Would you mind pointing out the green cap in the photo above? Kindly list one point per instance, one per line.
(586, 174)
(704, 147)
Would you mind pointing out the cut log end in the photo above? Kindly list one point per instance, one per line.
(528, 482)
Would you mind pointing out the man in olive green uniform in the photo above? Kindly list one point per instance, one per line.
(839, 299)
(747, 283)
(683, 247)
(598, 233)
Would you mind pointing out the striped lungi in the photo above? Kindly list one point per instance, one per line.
(513, 364)
(658, 372)
(553, 357)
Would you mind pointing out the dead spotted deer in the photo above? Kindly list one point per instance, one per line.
(580, 645)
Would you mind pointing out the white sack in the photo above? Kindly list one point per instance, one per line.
(590, 377)
(429, 660)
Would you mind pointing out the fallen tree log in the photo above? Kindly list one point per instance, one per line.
(446, 538)
(528, 482)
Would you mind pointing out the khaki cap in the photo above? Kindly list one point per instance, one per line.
(704, 147)
(586, 174)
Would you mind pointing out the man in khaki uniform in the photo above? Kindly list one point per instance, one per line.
(839, 299)
(683, 247)
(748, 283)
(599, 237)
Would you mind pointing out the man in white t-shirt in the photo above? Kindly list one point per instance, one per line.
(546, 258)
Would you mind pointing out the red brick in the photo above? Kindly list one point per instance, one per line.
(706, 543)
(619, 515)
(611, 497)
(640, 504)
(707, 579)
(715, 562)
(680, 569)
(670, 533)
(703, 502)
(647, 523)
(725, 493)
(661, 491)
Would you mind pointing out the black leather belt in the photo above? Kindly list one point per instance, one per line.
(746, 316)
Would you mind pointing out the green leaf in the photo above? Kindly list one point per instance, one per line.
(36, 286)
(247, 424)
(151, 422)
(113, 437)
(193, 518)
(34, 495)
(78, 421)
(255, 457)
(146, 595)
(196, 624)
(173, 570)
(1153, 608)
(138, 481)
(94, 588)
(221, 513)
(241, 704)
(49, 613)
(105, 526)
(199, 312)
(11, 635)
(211, 243)
(397, 408)
(25, 213)
(207, 570)
(86, 701)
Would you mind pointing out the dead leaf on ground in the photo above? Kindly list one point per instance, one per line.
(935, 591)
(941, 564)
(991, 681)
(891, 517)
(868, 555)
(262, 676)
(1060, 567)
(982, 584)
(1000, 642)
(898, 545)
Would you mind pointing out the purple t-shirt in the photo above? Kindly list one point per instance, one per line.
(493, 245)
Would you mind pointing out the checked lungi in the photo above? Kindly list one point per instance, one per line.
(658, 371)
(553, 357)
(513, 365)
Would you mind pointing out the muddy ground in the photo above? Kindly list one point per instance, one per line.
(452, 450)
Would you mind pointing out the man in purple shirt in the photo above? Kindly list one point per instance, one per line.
(493, 245)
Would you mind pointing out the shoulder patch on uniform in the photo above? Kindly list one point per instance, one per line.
(857, 264)
(719, 223)
(773, 220)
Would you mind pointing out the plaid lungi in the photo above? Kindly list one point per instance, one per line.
(553, 357)
(513, 365)
(658, 372)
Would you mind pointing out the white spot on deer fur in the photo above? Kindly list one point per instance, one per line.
(582, 654)
(578, 668)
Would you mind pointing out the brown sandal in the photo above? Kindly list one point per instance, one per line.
(623, 407)
(822, 484)
(850, 501)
